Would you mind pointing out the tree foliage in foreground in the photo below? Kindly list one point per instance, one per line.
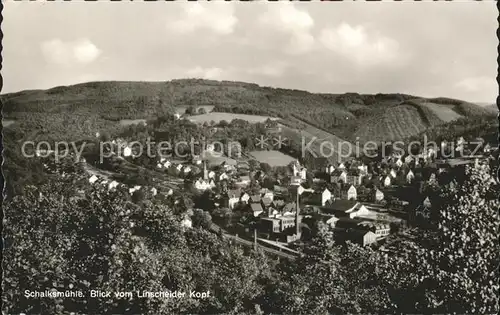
(56, 239)
(455, 268)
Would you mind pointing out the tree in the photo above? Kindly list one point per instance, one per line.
(223, 123)
(202, 111)
(455, 268)
(55, 239)
(190, 110)
(329, 280)
(202, 219)
(224, 215)
(265, 167)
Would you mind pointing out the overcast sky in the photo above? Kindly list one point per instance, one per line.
(427, 49)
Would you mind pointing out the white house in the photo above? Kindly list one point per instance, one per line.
(338, 176)
(187, 169)
(93, 179)
(326, 195)
(167, 164)
(170, 192)
(179, 167)
(363, 169)
(268, 194)
(393, 173)
(245, 197)
(154, 191)
(211, 174)
(387, 181)
(187, 223)
(212, 184)
(427, 203)
(358, 210)
(201, 184)
(112, 185)
(303, 173)
(349, 193)
(330, 169)
(431, 152)
(210, 147)
(378, 195)
(159, 165)
(177, 116)
(409, 177)
(223, 176)
(127, 151)
(399, 163)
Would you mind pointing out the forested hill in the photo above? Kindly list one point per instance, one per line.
(350, 115)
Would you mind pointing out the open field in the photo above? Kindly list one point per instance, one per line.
(443, 112)
(322, 144)
(272, 157)
(128, 122)
(217, 159)
(7, 122)
(181, 109)
(395, 123)
(217, 117)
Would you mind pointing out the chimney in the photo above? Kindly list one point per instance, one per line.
(297, 210)
(255, 239)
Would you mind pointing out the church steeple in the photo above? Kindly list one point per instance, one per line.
(205, 171)
(297, 210)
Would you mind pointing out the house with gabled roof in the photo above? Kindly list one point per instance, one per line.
(254, 199)
(399, 163)
(278, 204)
(266, 202)
(233, 196)
(348, 192)
(93, 179)
(338, 176)
(387, 181)
(244, 197)
(345, 208)
(378, 195)
(353, 177)
(256, 209)
(329, 169)
(410, 177)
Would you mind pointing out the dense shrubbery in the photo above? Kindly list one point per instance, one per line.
(55, 239)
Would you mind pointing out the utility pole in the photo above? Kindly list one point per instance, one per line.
(255, 239)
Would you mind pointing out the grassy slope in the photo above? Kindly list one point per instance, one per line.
(83, 108)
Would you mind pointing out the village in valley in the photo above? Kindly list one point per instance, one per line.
(277, 209)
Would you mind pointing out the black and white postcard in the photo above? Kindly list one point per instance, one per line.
(250, 157)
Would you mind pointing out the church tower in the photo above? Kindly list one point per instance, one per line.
(297, 221)
(205, 171)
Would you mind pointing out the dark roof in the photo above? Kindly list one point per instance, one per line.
(337, 172)
(353, 172)
(278, 203)
(256, 207)
(340, 205)
(255, 198)
(267, 201)
(289, 207)
(234, 193)
(347, 187)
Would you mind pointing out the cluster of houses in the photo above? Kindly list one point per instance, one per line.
(112, 185)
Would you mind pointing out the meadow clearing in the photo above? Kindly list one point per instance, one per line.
(272, 157)
(218, 116)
